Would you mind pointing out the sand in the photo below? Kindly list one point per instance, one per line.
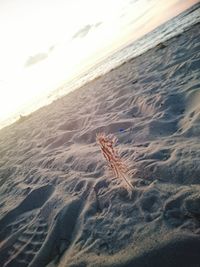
(58, 204)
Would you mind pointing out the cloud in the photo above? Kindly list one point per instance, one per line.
(82, 32)
(98, 24)
(38, 57)
(51, 48)
(85, 30)
(133, 1)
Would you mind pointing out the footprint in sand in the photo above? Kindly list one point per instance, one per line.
(23, 230)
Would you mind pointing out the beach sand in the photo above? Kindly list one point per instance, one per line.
(58, 204)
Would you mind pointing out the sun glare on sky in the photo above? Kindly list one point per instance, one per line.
(47, 42)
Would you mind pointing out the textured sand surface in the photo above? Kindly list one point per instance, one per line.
(50, 214)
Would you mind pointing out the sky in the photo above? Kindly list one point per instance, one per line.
(45, 43)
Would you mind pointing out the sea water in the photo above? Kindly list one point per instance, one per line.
(169, 29)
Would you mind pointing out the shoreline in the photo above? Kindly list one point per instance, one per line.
(75, 87)
(59, 206)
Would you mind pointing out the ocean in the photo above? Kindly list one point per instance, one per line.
(164, 32)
